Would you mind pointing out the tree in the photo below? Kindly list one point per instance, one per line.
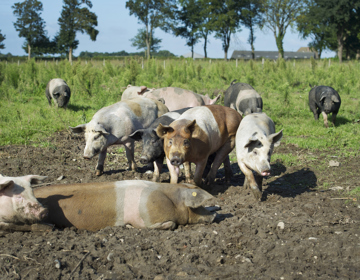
(322, 34)
(153, 14)
(139, 41)
(279, 15)
(339, 16)
(225, 20)
(29, 24)
(252, 16)
(2, 38)
(187, 23)
(75, 18)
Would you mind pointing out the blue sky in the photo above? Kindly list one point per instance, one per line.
(116, 28)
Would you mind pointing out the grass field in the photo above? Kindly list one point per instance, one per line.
(26, 118)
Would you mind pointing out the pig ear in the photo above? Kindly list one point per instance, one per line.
(335, 99)
(191, 126)
(213, 101)
(78, 129)
(251, 140)
(322, 97)
(162, 130)
(275, 138)
(162, 100)
(100, 128)
(137, 135)
(142, 90)
(195, 198)
(34, 179)
(5, 184)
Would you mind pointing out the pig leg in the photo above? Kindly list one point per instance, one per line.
(200, 167)
(174, 172)
(164, 225)
(100, 165)
(220, 157)
(187, 168)
(227, 168)
(250, 181)
(158, 164)
(334, 117)
(325, 119)
(129, 149)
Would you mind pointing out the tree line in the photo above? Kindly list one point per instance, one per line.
(330, 24)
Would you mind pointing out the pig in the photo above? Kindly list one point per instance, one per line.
(134, 92)
(153, 145)
(59, 91)
(175, 98)
(326, 100)
(19, 208)
(198, 133)
(243, 98)
(142, 204)
(113, 124)
(255, 141)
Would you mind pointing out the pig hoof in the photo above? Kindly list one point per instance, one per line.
(99, 172)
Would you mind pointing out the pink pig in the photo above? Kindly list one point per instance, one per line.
(18, 205)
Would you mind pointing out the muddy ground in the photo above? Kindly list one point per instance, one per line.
(301, 230)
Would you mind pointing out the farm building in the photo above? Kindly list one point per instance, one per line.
(302, 53)
(196, 55)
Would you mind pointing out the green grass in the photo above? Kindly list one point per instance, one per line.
(26, 118)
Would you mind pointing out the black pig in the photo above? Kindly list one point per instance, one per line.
(59, 91)
(326, 100)
(153, 145)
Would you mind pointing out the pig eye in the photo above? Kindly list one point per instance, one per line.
(255, 152)
(154, 143)
(186, 142)
(97, 136)
(57, 94)
(170, 142)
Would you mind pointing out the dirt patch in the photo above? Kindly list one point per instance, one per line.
(302, 229)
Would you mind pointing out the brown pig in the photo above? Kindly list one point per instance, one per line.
(142, 204)
(198, 133)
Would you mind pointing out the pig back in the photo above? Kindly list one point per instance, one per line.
(89, 206)
(177, 98)
(231, 94)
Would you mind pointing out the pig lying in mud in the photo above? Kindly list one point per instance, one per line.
(198, 133)
(243, 98)
(142, 204)
(255, 141)
(175, 98)
(326, 100)
(113, 124)
(59, 91)
(153, 145)
(19, 208)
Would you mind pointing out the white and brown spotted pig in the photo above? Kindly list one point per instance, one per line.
(198, 133)
(19, 208)
(113, 124)
(142, 204)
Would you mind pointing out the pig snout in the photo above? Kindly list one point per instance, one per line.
(144, 160)
(265, 173)
(176, 161)
(36, 212)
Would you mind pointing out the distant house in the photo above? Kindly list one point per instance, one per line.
(272, 55)
(196, 55)
(307, 49)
